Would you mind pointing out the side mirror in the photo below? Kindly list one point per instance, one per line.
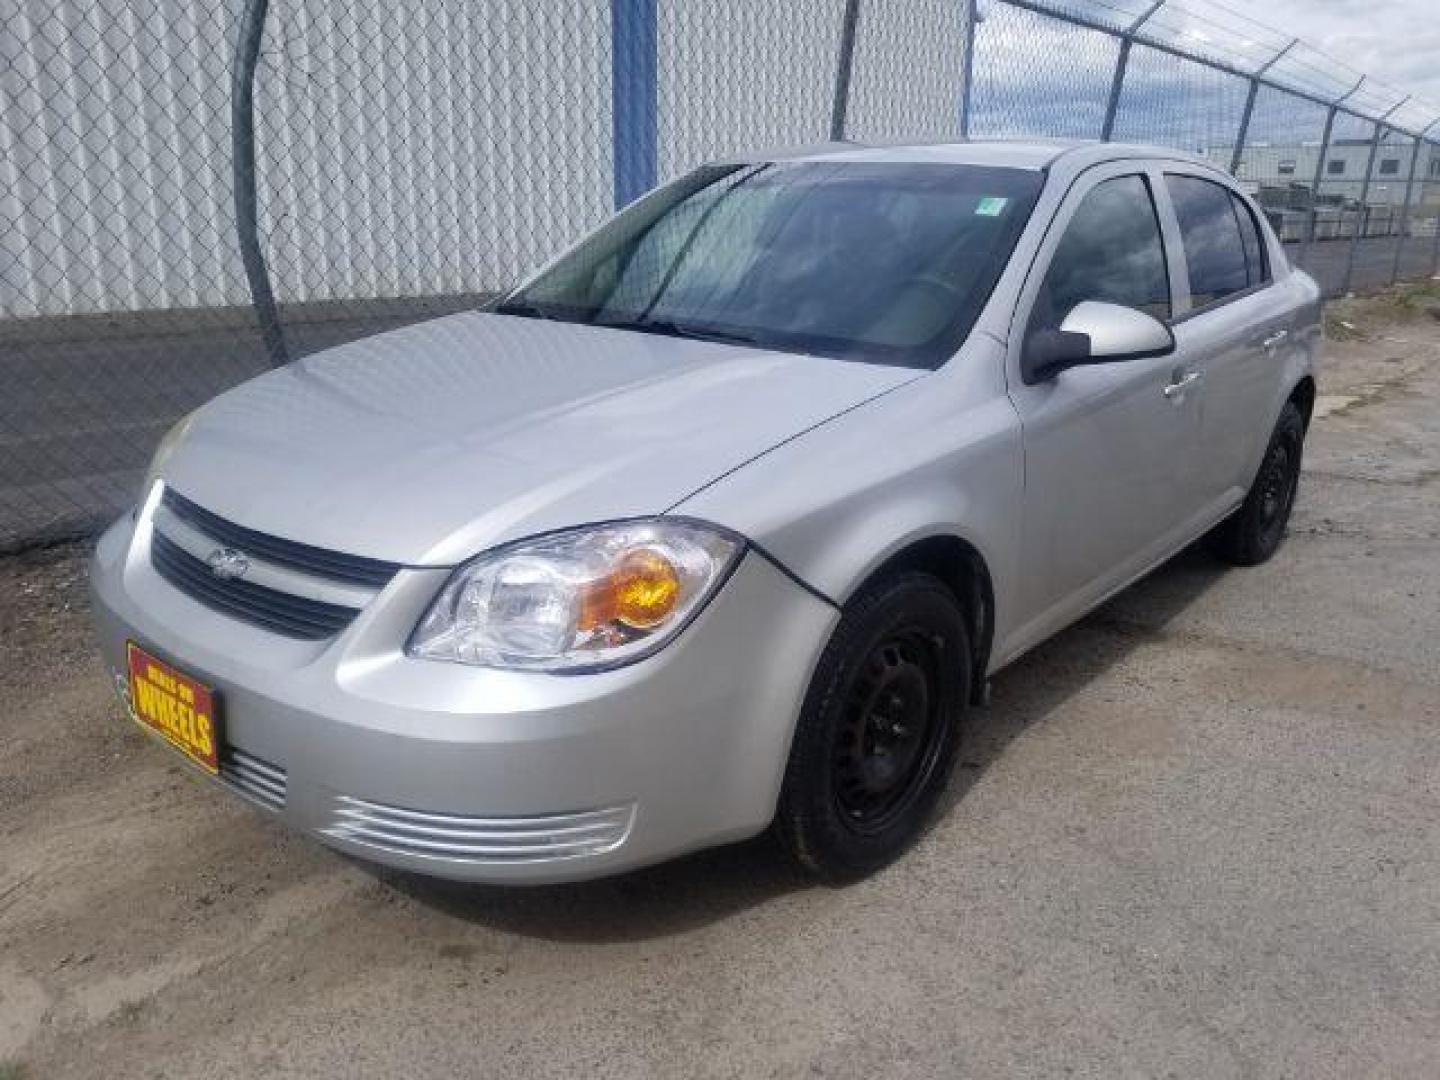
(1094, 333)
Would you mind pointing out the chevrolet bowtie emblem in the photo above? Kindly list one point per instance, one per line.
(227, 564)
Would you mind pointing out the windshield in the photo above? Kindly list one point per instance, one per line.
(888, 262)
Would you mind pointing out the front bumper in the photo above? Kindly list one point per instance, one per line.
(487, 775)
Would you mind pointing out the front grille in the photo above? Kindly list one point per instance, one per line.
(284, 613)
(335, 565)
(477, 839)
(254, 777)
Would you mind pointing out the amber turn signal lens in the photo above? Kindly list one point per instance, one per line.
(647, 588)
(640, 592)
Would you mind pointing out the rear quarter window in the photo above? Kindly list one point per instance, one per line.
(1257, 269)
(1215, 249)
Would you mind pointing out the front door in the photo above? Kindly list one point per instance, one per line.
(1109, 447)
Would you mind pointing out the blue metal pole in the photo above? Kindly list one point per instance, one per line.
(634, 77)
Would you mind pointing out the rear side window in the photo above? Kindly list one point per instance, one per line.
(1256, 270)
(1210, 232)
(1111, 251)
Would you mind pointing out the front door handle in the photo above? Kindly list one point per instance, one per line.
(1179, 386)
(1274, 340)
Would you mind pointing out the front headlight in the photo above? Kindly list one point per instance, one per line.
(589, 598)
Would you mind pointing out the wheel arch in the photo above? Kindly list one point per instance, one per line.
(963, 569)
(1302, 396)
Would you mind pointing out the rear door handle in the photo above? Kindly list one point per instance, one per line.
(1179, 386)
(1274, 340)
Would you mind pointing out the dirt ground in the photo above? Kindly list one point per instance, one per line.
(1196, 835)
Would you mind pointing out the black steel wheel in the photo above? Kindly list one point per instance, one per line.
(1255, 531)
(891, 733)
(878, 730)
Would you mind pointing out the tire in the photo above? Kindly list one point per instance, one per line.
(1254, 532)
(877, 734)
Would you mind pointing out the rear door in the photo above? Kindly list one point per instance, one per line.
(1108, 448)
(1229, 325)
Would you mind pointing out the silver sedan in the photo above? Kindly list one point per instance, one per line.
(721, 521)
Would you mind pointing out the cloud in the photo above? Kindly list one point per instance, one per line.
(1039, 75)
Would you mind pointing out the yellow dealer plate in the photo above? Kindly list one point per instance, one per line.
(178, 708)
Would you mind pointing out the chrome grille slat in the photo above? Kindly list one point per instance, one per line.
(455, 847)
(521, 839)
(491, 834)
(351, 803)
(252, 776)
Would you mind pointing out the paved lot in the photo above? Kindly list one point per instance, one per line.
(1196, 835)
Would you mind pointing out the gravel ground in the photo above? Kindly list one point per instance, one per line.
(1196, 835)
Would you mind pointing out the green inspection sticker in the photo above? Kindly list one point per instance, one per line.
(991, 206)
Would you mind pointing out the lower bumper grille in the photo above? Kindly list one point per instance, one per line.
(475, 839)
(254, 777)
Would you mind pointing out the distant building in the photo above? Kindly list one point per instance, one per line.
(1283, 180)
(1266, 167)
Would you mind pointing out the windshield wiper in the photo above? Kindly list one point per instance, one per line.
(523, 308)
(670, 328)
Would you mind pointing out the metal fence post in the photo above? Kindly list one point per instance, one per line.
(967, 101)
(1244, 131)
(1117, 84)
(1315, 185)
(1405, 210)
(1431, 157)
(1435, 244)
(843, 65)
(1364, 195)
(1107, 125)
(242, 153)
(634, 81)
(1380, 128)
(1331, 110)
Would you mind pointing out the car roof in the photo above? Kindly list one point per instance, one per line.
(1011, 153)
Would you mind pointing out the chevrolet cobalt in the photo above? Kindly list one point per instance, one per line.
(720, 522)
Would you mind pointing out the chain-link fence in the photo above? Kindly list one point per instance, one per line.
(194, 190)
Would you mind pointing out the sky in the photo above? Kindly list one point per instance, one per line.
(1397, 41)
(1040, 75)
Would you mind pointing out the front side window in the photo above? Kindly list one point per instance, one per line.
(1210, 233)
(1111, 251)
(888, 262)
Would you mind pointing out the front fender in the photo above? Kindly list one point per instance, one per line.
(939, 457)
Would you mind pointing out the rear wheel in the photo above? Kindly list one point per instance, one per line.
(1254, 532)
(877, 734)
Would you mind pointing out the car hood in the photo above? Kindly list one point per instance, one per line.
(428, 444)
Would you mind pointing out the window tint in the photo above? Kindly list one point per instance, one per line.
(1111, 251)
(1257, 272)
(1210, 231)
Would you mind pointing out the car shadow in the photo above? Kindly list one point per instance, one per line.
(709, 886)
(1027, 692)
